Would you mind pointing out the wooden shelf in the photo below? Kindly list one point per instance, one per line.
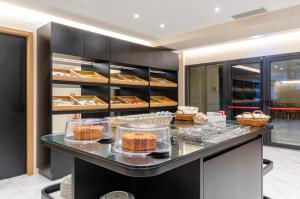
(127, 102)
(65, 75)
(161, 101)
(121, 79)
(77, 104)
(161, 82)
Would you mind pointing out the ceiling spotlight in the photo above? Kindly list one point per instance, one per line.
(162, 25)
(281, 68)
(217, 9)
(275, 66)
(136, 16)
(256, 36)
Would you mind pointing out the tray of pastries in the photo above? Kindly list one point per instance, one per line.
(127, 102)
(91, 102)
(64, 103)
(91, 76)
(160, 101)
(257, 118)
(70, 103)
(161, 82)
(78, 76)
(118, 78)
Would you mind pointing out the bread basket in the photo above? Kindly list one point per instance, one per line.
(253, 121)
(180, 115)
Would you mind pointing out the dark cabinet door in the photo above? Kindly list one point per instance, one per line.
(96, 46)
(170, 60)
(12, 106)
(156, 58)
(67, 40)
(140, 54)
(121, 51)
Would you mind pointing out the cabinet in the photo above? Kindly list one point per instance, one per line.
(96, 46)
(236, 174)
(66, 40)
(120, 51)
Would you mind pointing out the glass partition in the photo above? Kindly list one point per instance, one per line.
(206, 87)
(285, 101)
(246, 88)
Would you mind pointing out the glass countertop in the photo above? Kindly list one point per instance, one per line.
(184, 143)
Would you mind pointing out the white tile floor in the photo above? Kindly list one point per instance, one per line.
(281, 183)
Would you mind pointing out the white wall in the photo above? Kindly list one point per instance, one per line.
(269, 45)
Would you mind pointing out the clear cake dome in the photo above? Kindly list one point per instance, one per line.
(87, 130)
(142, 139)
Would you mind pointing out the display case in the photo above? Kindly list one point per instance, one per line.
(161, 101)
(72, 103)
(117, 78)
(161, 82)
(87, 130)
(59, 74)
(122, 102)
(142, 139)
(77, 62)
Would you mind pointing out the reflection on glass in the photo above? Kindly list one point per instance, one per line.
(205, 88)
(285, 101)
(246, 88)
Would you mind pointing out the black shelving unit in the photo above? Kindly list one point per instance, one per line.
(93, 52)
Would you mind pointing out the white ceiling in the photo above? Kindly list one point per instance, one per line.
(179, 16)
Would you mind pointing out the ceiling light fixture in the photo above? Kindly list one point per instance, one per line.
(217, 9)
(290, 82)
(136, 16)
(256, 36)
(247, 68)
(281, 68)
(275, 66)
(162, 25)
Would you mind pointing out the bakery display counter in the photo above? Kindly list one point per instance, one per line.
(192, 168)
(77, 103)
(123, 102)
(77, 76)
(161, 101)
(161, 82)
(122, 79)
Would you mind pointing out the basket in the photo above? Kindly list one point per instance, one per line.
(184, 117)
(253, 121)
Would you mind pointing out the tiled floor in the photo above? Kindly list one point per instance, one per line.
(281, 183)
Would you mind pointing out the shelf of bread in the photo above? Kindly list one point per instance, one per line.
(120, 102)
(161, 101)
(78, 76)
(118, 78)
(161, 82)
(77, 103)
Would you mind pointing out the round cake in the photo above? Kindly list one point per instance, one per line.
(88, 132)
(138, 141)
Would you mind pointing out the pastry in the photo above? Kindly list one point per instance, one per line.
(138, 141)
(88, 132)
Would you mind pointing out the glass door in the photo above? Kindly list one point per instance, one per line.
(205, 87)
(245, 88)
(284, 102)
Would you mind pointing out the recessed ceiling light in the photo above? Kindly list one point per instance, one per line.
(136, 16)
(217, 9)
(281, 68)
(275, 66)
(256, 36)
(162, 25)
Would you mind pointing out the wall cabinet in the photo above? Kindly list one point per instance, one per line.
(96, 46)
(66, 40)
